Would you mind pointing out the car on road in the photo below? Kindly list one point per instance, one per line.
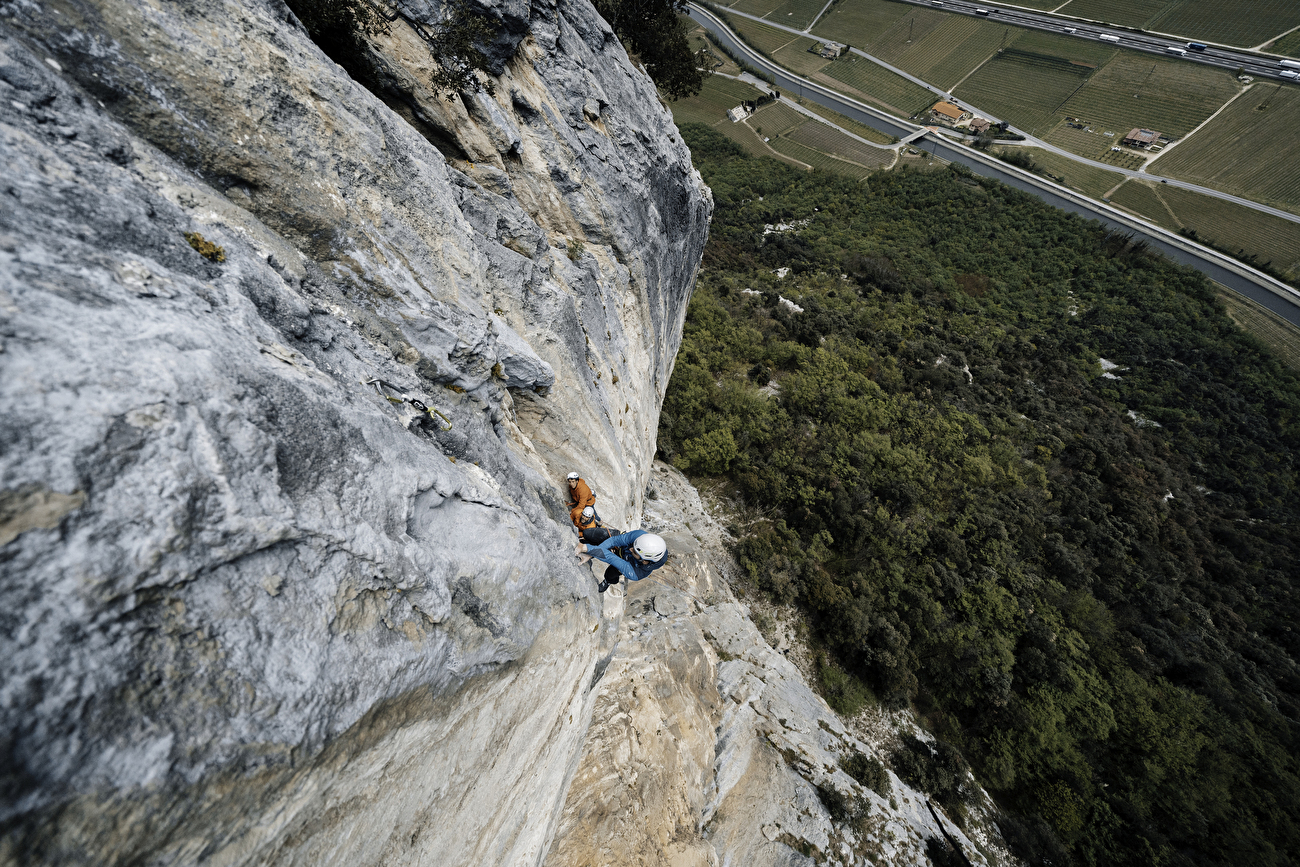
(1070, 29)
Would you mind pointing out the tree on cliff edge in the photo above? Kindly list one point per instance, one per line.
(652, 30)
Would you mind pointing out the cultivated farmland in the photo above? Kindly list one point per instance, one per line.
(831, 141)
(1230, 226)
(796, 13)
(860, 22)
(777, 119)
(1089, 180)
(711, 104)
(948, 52)
(766, 39)
(877, 84)
(817, 160)
(1251, 149)
(848, 123)
(1281, 336)
(1288, 45)
(999, 87)
(1231, 22)
(1134, 90)
(1067, 48)
(796, 56)
(1126, 13)
(755, 7)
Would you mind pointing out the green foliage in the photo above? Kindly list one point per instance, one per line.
(454, 43)
(654, 31)
(1095, 610)
(575, 249)
(868, 771)
(339, 27)
(845, 693)
(939, 771)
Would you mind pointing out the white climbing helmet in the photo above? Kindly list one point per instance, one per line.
(588, 513)
(573, 477)
(650, 547)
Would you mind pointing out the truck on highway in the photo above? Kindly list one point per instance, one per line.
(1290, 73)
(1108, 37)
(1181, 52)
(1196, 46)
(1289, 64)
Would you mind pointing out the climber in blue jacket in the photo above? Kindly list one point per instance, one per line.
(633, 555)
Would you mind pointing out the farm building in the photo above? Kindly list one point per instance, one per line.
(1141, 138)
(949, 112)
(829, 50)
(979, 125)
(737, 114)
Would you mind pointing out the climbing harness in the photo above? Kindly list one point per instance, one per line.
(382, 388)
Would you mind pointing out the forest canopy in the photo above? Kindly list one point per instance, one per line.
(1022, 475)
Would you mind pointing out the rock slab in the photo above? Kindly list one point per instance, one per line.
(258, 608)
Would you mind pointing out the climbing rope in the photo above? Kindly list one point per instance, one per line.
(382, 388)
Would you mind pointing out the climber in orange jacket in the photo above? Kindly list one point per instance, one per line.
(580, 497)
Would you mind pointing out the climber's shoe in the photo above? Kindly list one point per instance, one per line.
(602, 586)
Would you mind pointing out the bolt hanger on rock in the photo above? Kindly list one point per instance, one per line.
(383, 388)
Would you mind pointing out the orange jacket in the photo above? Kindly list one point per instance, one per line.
(580, 498)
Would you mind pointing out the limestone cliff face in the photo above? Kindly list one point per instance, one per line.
(708, 748)
(253, 612)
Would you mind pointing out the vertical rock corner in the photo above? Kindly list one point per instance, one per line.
(260, 606)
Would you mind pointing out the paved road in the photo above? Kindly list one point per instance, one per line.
(1032, 141)
(1259, 287)
(1213, 55)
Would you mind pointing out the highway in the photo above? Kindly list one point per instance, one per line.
(1213, 55)
(1259, 287)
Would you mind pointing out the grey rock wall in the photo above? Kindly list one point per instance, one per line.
(708, 747)
(252, 611)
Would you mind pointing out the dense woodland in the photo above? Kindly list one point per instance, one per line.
(1084, 581)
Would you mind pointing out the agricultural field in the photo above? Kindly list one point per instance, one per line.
(1125, 13)
(1288, 45)
(755, 7)
(1232, 22)
(1089, 180)
(776, 119)
(793, 149)
(710, 105)
(1088, 52)
(861, 22)
(1225, 224)
(945, 54)
(797, 57)
(828, 140)
(796, 13)
(1252, 149)
(999, 87)
(1136, 90)
(1094, 145)
(1280, 336)
(1245, 23)
(878, 85)
(766, 39)
(848, 123)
